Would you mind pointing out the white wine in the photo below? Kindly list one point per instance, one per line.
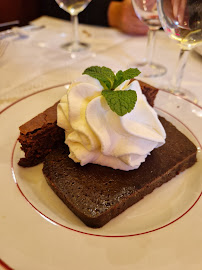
(73, 7)
(185, 27)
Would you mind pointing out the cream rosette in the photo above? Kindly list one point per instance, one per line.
(96, 134)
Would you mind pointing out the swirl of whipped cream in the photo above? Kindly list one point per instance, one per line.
(96, 134)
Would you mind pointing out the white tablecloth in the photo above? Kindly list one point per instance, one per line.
(38, 61)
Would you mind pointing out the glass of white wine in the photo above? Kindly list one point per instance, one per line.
(182, 21)
(146, 10)
(74, 7)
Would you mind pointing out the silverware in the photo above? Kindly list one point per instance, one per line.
(22, 32)
(9, 24)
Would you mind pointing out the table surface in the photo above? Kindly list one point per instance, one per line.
(38, 62)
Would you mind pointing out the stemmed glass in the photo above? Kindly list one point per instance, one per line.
(74, 7)
(146, 11)
(182, 21)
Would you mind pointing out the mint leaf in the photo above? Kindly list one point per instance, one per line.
(122, 76)
(120, 102)
(103, 74)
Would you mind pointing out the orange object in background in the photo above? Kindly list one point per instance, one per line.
(21, 10)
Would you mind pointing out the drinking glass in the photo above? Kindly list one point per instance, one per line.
(74, 7)
(182, 21)
(146, 11)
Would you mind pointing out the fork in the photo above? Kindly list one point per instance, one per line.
(3, 47)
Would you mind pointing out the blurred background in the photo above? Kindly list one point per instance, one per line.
(25, 11)
(21, 10)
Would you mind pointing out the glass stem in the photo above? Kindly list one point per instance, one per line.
(178, 74)
(150, 46)
(75, 23)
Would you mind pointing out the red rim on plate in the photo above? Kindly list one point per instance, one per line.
(3, 264)
(94, 234)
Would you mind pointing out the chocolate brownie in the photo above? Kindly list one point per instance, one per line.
(149, 91)
(97, 194)
(41, 134)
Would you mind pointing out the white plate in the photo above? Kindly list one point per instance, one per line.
(162, 231)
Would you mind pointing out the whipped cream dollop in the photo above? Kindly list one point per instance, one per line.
(96, 134)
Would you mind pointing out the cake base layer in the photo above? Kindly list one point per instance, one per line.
(97, 194)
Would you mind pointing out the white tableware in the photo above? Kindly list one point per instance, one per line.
(39, 232)
(147, 12)
(182, 22)
(74, 7)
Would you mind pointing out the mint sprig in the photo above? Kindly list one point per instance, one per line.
(103, 74)
(120, 102)
(122, 76)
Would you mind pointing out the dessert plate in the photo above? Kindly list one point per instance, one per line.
(162, 231)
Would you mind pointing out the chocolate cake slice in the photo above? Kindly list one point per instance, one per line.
(149, 91)
(97, 194)
(41, 134)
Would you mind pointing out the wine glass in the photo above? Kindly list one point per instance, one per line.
(182, 21)
(146, 10)
(74, 7)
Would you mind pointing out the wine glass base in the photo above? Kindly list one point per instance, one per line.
(150, 70)
(75, 47)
